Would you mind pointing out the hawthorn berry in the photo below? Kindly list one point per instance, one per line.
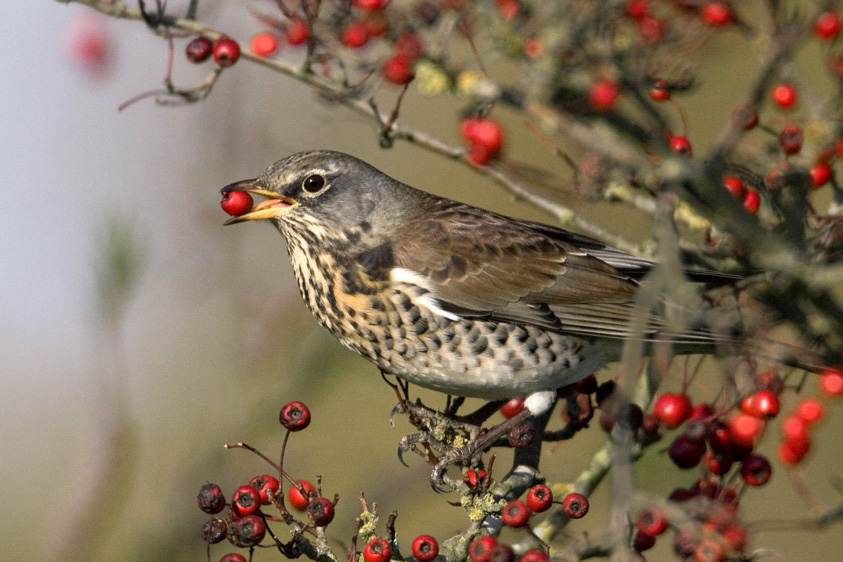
(718, 463)
(226, 51)
(236, 203)
(637, 9)
(214, 531)
(300, 498)
(820, 174)
(210, 498)
(474, 478)
(245, 501)
(233, 557)
(515, 514)
(397, 70)
(575, 505)
(831, 382)
(320, 511)
(199, 49)
(745, 429)
(762, 404)
(409, 46)
(672, 408)
(539, 498)
(485, 138)
(371, 5)
(719, 437)
(735, 186)
(298, 32)
(512, 407)
(264, 44)
(651, 521)
(686, 453)
(266, 485)
(660, 91)
(651, 28)
(603, 94)
(716, 13)
(790, 139)
(534, 555)
(643, 541)
(425, 548)
(709, 550)
(735, 537)
(784, 95)
(355, 35)
(681, 145)
(377, 550)
(809, 410)
(827, 25)
(248, 531)
(480, 549)
(791, 452)
(294, 416)
(752, 201)
(756, 470)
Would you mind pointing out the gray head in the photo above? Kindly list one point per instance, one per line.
(325, 193)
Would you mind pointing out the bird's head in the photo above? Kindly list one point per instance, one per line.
(325, 190)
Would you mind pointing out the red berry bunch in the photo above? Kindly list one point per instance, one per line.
(485, 138)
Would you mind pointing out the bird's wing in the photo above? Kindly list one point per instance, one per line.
(481, 265)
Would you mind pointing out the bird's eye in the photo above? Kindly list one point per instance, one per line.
(313, 183)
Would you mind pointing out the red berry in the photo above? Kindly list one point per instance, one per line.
(199, 49)
(744, 117)
(709, 550)
(791, 139)
(245, 501)
(264, 44)
(226, 51)
(756, 470)
(745, 429)
(718, 463)
(425, 548)
(214, 530)
(409, 46)
(762, 404)
(575, 505)
(371, 5)
(809, 410)
(794, 429)
(480, 549)
(248, 531)
(294, 416)
(735, 186)
(751, 202)
(820, 174)
(637, 9)
(588, 385)
(827, 25)
(89, 45)
(474, 477)
(396, 70)
(300, 498)
(515, 514)
(643, 541)
(236, 203)
(686, 453)
(535, 555)
(651, 521)
(650, 28)
(716, 13)
(320, 511)
(539, 498)
(681, 145)
(298, 32)
(377, 550)
(784, 95)
(831, 382)
(233, 557)
(355, 35)
(791, 452)
(210, 498)
(672, 408)
(603, 94)
(660, 91)
(512, 407)
(266, 485)
(735, 537)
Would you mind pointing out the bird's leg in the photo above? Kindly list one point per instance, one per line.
(537, 408)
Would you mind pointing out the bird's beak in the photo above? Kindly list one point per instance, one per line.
(265, 209)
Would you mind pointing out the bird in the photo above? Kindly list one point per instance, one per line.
(450, 296)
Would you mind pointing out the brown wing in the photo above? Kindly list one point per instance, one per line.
(482, 265)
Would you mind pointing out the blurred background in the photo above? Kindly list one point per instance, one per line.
(139, 335)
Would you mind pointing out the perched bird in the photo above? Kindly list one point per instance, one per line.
(446, 295)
